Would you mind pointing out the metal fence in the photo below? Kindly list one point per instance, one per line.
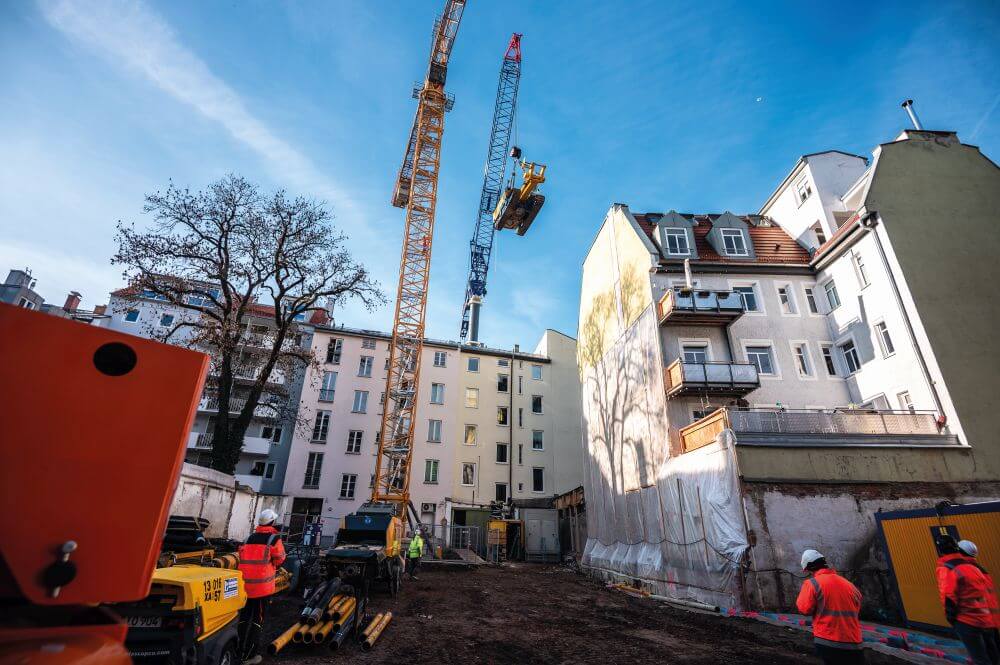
(832, 422)
(453, 537)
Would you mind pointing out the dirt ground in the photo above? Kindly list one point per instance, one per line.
(531, 613)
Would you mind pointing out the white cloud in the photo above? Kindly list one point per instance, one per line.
(128, 32)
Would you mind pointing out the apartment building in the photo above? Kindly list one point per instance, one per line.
(19, 289)
(265, 449)
(757, 384)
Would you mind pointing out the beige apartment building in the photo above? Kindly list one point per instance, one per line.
(757, 384)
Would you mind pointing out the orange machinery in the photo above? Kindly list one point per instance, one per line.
(94, 429)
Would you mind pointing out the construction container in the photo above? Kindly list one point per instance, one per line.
(908, 539)
(542, 537)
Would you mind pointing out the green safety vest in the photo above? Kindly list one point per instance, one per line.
(416, 547)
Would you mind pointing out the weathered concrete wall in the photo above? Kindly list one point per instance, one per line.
(231, 511)
(839, 521)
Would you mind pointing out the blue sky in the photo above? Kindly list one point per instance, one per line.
(699, 107)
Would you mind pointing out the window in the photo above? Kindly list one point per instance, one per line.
(166, 320)
(347, 483)
(760, 357)
(367, 343)
(365, 366)
(850, 356)
(360, 401)
(537, 479)
(333, 351)
(878, 403)
(832, 297)
(859, 268)
(520, 386)
(803, 189)
(269, 470)
(802, 363)
(501, 492)
(677, 241)
(520, 417)
(473, 365)
(434, 431)
(503, 416)
(314, 465)
(354, 442)
(257, 469)
(831, 367)
(536, 372)
(536, 404)
(386, 365)
(884, 340)
(820, 234)
(502, 450)
(503, 383)
(906, 401)
(472, 398)
(131, 316)
(431, 471)
(537, 439)
(695, 353)
(321, 427)
(437, 393)
(520, 453)
(25, 303)
(381, 398)
(786, 299)
(272, 434)
(328, 390)
(471, 434)
(503, 362)
(440, 358)
(468, 474)
(749, 296)
(732, 240)
(811, 301)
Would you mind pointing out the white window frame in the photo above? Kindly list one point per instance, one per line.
(440, 359)
(795, 345)
(437, 393)
(432, 468)
(832, 348)
(365, 366)
(884, 338)
(541, 404)
(807, 290)
(680, 237)
(501, 375)
(699, 341)
(506, 491)
(170, 320)
(757, 295)
(775, 366)
(533, 469)
(472, 481)
(367, 342)
(321, 426)
(858, 261)
(468, 365)
(470, 427)
(124, 318)
(355, 437)
(734, 233)
(843, 354)
(497, 452)
(836, 293)
(348, 486)
(314, 470)
(539, 372)
(471, 398)
(803, 190)
(433, 430)
(793, 306)
(541, 439)
(906, 401)
(328, 387)
(360, 399)
(506, 411)
(820, 233)
(334, 351)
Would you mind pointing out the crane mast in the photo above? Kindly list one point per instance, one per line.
(416, 190)
(481, 245)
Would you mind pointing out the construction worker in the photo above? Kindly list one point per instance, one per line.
(969, 599)
(260, 557)
(414, 552)
(834, 605)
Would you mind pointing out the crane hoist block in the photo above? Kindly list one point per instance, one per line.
(513, 213)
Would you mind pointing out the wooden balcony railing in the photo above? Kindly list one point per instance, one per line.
(699, 307)
(717, 378)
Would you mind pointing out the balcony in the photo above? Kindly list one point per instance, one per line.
(236, 404)
(818, 428)
(252, 481)
(265, 341)
(719, 378)
(252, 445)
(699, 307)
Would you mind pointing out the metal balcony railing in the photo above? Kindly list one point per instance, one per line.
(719, 378)
(699, 306)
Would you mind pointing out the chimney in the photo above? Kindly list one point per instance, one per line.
(72, 301)
(100, 310)
(908, 105)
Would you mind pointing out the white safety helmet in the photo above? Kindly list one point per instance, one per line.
(267, 517)
(968, 548)
(809, 556)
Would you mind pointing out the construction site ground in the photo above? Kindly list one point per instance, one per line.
(543, 614)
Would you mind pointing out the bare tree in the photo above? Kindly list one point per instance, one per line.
(230, 256)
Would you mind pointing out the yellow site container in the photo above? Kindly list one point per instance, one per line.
(908, 538)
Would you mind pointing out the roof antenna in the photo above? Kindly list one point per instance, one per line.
(908, 105)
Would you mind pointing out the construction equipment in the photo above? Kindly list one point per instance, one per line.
(62, 550)
(518, 207)
(481, 245)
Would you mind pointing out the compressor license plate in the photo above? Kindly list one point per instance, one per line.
(144, 622)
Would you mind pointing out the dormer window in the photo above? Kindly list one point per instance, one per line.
(677, 242)
(732, 240)
(803, 190)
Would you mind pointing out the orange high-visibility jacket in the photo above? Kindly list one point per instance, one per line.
(834, 604)
(966, 584)
(260, 557)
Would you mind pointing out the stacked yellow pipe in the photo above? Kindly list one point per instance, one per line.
(376, 631)
(282, 640)
(282, 580)
(374, 622)
(299, 635)
(335, 603)
(344, 612)
(324, 631)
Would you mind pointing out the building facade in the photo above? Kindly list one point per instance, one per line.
(757, 384)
